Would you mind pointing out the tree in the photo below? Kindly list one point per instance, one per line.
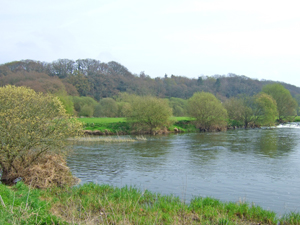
(80, 82)
(66, 101)
(265, 112)
(124, 102)
(32, 126)
(86, 111)
(107, 107)
(217, 85)
(179, 106)
(88, 66)
(297, 98)
(208, 111)
(248, 106)
(149, 113)
(39, 82)
(199, 81)
(259, 110)
(84, 106)
(286, 105)
(62, 68)
(236, 111)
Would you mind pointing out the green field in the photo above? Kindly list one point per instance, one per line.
(102, 120)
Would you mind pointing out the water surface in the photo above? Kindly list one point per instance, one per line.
(260, 166)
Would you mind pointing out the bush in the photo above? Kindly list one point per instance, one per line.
(149, 113)
(84, 106)
(208, 111)
(86, 110)
(107, 107)
(32, 127)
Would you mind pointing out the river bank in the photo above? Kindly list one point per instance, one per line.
(119, 126)
(103, 204)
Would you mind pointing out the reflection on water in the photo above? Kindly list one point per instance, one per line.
(260, 165)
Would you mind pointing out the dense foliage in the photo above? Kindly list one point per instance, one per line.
(286, 105)
(149, 113)
(32, 125)
(255, 111)
(90, 88)
(208, 111)
(265, 111)
(89, 77)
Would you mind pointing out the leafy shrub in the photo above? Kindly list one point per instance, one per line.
(32, 126)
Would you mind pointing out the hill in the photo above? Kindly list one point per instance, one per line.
(90, 77)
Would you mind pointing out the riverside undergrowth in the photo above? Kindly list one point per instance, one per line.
(103, 204)
(22, 205)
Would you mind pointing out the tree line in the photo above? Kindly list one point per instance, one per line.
(90, 77)
(90, 88)
(273, 103)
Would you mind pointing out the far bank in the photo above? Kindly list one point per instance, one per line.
(119, 126)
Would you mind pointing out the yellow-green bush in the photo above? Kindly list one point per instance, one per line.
(32, 125)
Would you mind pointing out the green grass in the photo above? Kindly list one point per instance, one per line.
(113, 125)
(103, 204)
(182, 118)
(102, 120)
(184, 124)
(22, 205)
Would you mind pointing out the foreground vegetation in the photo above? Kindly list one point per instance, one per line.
(33, 131)
(104, 204)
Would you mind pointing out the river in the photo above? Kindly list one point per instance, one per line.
(259, 166)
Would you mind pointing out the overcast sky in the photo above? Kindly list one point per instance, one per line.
(258, 38)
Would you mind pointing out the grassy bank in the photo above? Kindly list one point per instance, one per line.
(120, 126)
(103, 204)
(106, 125)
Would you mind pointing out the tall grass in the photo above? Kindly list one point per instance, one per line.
(22, 205)
(104, 204)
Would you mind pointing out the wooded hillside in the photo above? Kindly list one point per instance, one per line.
(90, 77)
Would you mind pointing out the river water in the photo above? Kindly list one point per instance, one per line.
(260, 166)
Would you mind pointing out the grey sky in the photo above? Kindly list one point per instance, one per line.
(257, 38)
